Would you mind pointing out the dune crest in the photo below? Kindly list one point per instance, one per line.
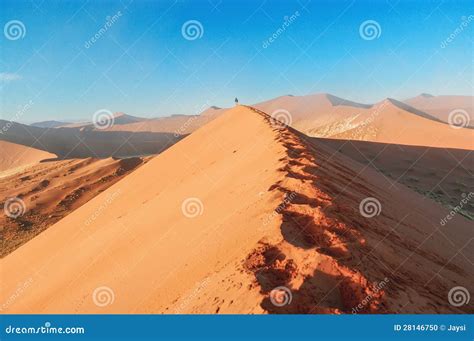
(388, 121)
(271, 209)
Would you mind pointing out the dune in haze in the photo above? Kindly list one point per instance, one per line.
(441, 106)
(176, 124)
(119, 118)
(48, 124)
(51, 190)
(240, 207)
(86, 142)
(389, 121)
(312, 111)
(14, 156)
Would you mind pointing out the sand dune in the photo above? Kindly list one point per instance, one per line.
(389, 121)
(442, 174)
(48, 124)
(51, 190)
(119, 118)
(15, 156)
(176, 124)
(217, 221)
(81, 143)
(441, 106)
(312, 111)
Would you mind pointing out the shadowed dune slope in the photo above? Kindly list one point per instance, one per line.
(232, 211)
(82, 143)
(13, 155)
(442, 174)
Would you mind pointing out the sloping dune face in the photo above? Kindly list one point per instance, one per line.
(390, 121)
(441, 106)
(244, 216)
(49, 191)
(312, 111)
(441, 174)
(13, 155)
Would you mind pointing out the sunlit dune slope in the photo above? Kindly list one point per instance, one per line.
(389, 121)
(241, 206)
(13, 155)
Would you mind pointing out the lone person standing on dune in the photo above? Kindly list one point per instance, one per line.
(236, 101)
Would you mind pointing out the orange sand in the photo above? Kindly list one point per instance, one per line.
(277, 209)
(13, 156)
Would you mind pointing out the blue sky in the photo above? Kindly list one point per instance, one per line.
(144, 66)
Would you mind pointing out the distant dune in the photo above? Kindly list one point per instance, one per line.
(119, 118)
(312, 110)
(176, 124)
(440, 106)
(240, 207)
(48, 124)
(389, 121)
(17, 156)
(81, 143)
(51, 190)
